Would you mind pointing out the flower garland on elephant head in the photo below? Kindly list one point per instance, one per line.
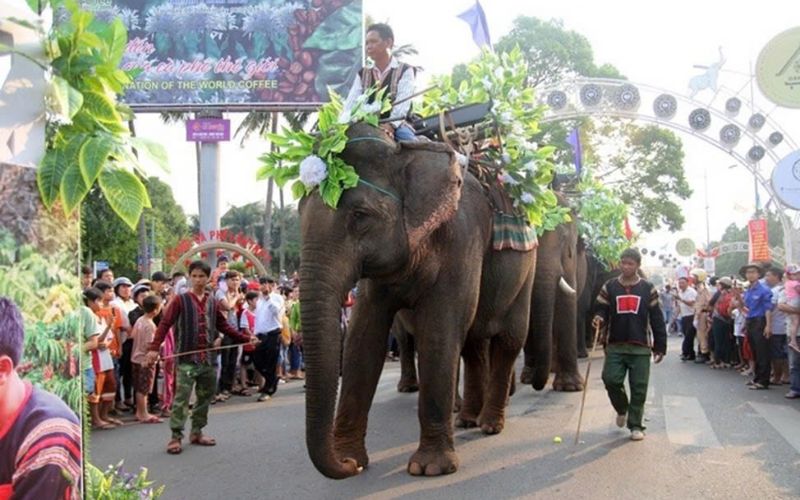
(312, 161)
(526, 168)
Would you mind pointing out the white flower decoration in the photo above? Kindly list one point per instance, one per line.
(513, 94)
(506, 158)
(508, 180)
(345, 117)
(373, 107)
(530, 166)
(487, 84)
(313, 171)
(498, 73)
(526, 198)
(506, 117)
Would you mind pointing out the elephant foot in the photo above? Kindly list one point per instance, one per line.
(568, 382)
(526, 377)
(408, 385)
(348, 451)
(490, 426)
(466, 421)
(432, 463)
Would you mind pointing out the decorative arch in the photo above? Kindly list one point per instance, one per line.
(220, 245)
(766, 141)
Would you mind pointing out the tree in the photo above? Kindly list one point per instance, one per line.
(105, 237)
(646, 173)
(730, 263)
(246, 219)
(645, 170)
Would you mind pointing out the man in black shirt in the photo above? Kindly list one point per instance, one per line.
(629, 306)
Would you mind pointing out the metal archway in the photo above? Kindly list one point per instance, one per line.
(585, 97)
(220, 245)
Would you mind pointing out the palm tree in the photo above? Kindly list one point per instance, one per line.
(245, 219)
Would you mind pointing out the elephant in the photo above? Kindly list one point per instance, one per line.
(415, 233)
(552, 337)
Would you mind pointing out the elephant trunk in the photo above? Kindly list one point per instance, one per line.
(540, 334)
(320, 310)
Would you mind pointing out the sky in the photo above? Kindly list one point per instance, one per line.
(651, 43)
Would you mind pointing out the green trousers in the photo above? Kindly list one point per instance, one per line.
(637, 367)
(201, 378)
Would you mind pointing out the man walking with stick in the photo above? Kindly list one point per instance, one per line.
(628, 305)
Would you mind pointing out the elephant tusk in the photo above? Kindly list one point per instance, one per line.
(564, 286)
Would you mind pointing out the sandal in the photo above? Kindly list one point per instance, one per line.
(174, 447)
(152, 420)
(116, 421)
(200, 439)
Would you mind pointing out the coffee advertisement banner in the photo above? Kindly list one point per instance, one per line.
(228, 54)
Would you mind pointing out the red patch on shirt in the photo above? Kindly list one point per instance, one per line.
(628, 304)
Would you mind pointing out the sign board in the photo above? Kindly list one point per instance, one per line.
(685, 247)
(778, 69)
(759, 240)
(208, 130)
(229, 54)
(786, 179)
(99, 265)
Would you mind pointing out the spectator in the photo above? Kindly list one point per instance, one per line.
(722, 324)
(113, 316)
(179, 283)
(791, 307)
(160, 284)
(194, 335)
(143, 374)
(701, 310)
(40, 437)
(230, 302)
(123, 300)
(269, 311)
(139, 293)
(86, 277)
(296, 329)
(667, 307)
(103, 354)
(247, 325)
(685, 298)
(746, 365)
(222, 267)
(775, 328)
(90, 343)
(757, 301)
(106, 275)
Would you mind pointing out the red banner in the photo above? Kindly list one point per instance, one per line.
(759, 240)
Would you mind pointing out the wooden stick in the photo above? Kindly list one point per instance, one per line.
(198, 351)
(586, 382)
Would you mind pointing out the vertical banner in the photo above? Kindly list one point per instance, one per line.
(759, 241)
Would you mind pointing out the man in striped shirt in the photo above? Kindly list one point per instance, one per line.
(40, 437)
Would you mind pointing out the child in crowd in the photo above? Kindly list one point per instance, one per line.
(247, 325)
(144, 374)
(99, 343)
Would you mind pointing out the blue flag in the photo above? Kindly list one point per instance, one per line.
(475, 17)
(574, 140)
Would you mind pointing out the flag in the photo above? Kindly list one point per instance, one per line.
(574, 140)
(475, 17)
(628, 232)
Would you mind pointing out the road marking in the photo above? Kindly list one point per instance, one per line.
(687, 423)
(783, 419)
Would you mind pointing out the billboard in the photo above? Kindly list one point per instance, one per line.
(229, 54)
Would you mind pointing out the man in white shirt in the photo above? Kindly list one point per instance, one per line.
(685, 298)
(269, 313)
(387, 72)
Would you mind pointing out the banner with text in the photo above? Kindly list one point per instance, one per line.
(236, 53)
(759, 240)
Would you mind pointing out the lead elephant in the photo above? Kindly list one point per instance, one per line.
(416, 234)
(552, 337)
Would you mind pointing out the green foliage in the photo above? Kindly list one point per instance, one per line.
(43, 290)
(88, 142)
(647, 173)
(528, 170)
(729, 264)
(117, 243)
(296, 147)
(114, 484)
(601, 218)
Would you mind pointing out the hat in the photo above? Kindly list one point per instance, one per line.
(159, 276)
(139, 287)
(725, 281)
(122, 281)
(222, 258)
(699, 274)
(752, 265)
(792, 269)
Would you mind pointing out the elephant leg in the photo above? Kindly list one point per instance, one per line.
(438, 363)
(364, 353)
(503, 352)
(475, 379)
(566, 352)
(408, 368)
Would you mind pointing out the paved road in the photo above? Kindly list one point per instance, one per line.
(707, 437)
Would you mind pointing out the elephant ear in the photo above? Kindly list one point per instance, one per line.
(433, 181)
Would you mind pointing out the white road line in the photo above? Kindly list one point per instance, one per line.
(783, 419)
(687, 423)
